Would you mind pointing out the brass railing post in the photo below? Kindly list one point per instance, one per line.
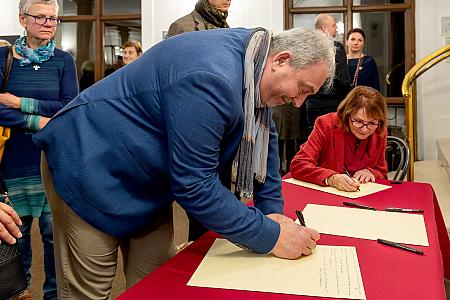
(409, 95)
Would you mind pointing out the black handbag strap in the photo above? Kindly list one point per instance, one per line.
(8, 65)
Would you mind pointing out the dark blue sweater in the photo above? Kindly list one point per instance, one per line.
(368, 75)
(165, 127)
(51, 87)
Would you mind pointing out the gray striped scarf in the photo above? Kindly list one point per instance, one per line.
(251, 159)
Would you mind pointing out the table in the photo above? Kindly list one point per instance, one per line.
(388, 273)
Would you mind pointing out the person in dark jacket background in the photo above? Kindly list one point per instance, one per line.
(362, 68)
(208, 14)
(327, 100)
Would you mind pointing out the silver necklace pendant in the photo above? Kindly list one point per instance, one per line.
(36, 67)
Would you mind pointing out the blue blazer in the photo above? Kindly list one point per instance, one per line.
(165, 127)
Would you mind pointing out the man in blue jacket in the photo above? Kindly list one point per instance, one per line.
(177, 124)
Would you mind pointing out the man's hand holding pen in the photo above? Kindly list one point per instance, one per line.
(294, 240)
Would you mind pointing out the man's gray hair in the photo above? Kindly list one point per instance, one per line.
(308, 47)
(24, 5)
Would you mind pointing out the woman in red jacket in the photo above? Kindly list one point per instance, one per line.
(350, 141)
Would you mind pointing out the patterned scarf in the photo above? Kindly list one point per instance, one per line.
(36, 56)
(213, 17)
(251, 160)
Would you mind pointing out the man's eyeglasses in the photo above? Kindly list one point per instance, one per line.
(361, 124)
(41, 20)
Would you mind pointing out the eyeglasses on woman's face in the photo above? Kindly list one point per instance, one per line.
(360, 124)
(42, 20)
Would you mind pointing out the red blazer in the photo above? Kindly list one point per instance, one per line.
(323, 154)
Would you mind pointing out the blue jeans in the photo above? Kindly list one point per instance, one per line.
(46, 229)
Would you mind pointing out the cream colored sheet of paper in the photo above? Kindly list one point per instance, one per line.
(367, 224)
(331, 271)
(365, 189)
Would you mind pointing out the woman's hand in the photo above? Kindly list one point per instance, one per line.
(10, 100)
(343, 182)
(9, 221)
(364, 176)
(43, 121)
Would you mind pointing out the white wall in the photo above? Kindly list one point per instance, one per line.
(433, 88)
(9, 18)
(157, 16)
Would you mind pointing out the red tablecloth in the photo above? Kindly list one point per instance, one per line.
(388, 273)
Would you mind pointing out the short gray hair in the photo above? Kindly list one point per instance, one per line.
(308, 47)
(24, 5)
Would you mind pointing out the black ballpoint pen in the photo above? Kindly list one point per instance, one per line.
(358, 205)
(407, 210)
(300, 217)
(398, 245)
(348, 174)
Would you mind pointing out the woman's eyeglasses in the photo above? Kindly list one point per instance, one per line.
(360, 124)
(41, 20)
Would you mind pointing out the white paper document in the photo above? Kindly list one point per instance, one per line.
(367, 224)
(331, 271)
(365, 188)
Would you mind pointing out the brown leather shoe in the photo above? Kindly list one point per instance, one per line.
(25, 295)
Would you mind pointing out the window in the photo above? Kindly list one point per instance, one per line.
(315, 3)
(389, 28)
(385, 42)
(78, 38)
(388, 37)
(94, 31)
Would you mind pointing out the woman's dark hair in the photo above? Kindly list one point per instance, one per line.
(358, 30)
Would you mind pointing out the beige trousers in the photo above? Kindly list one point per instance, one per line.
(86, 258)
